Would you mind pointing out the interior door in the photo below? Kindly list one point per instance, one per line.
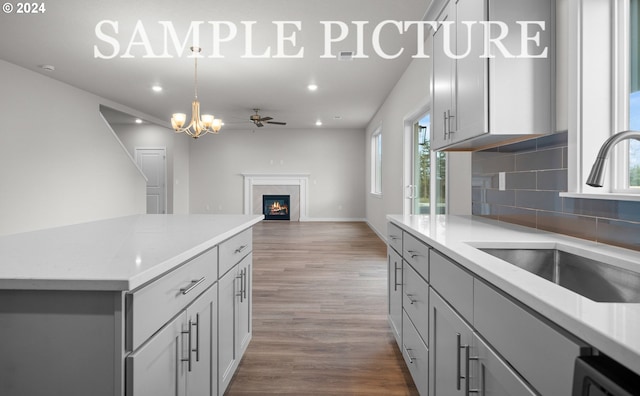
(152, 162)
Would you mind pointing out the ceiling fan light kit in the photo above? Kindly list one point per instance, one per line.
(199, 125)
(258, 120)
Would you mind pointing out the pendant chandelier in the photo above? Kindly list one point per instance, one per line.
(199, 126)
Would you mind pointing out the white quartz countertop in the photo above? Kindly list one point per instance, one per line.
(115, 254)
(613, 328)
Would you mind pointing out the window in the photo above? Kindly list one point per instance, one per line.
(633, 176)
(376, 162)
(427, 164)
(603, 81)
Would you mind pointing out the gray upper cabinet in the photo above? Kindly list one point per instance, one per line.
(489, 90)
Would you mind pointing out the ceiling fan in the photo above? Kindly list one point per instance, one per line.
(258, 120)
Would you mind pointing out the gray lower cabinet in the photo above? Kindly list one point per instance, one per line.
(460, 336)
(394, 278)
(234, 319)
(451, 340)
(177, 360)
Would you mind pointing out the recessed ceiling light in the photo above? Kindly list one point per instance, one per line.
(312, 87)
(318, 123)
(138, 121)
(47, 67)
(156, 88)
(337, 117)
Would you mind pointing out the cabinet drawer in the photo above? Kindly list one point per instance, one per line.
(415, 300)
(416, 355)
(453, 283)
(394, 237)
(235, 249)
(416, 253)
(541, 354)
(150, 307)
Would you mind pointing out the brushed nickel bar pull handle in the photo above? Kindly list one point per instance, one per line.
(394, 237)
(414, 254)
(197, 350)
(188, 359)
(444, 125)
(240, 249)
(192, 286)
(244, 287)
(449, 117)
(458, 368)
(411, 358)
(467, 376)
(395, 276)
(410, 297)
(239, 294)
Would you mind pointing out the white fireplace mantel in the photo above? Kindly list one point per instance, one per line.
(277, 179)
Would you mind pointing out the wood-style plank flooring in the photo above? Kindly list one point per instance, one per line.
(319, 314)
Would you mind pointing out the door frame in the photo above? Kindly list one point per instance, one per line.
(408, 159)
(163, 149)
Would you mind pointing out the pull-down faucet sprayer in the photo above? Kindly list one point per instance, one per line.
(596, 177)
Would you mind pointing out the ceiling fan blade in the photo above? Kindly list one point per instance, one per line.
(266, 118)
(277, 123)
(259, 124)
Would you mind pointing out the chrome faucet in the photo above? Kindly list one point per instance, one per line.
(596, 177)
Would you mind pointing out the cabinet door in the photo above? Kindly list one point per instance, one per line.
(227, 355)
(450, 339)
(157, 368)
(394, 286)
(243, 304)
(443, 117)
(493, 376)
(471, 71)
(203, 319)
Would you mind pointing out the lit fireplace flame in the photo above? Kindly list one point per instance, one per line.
(277, 209)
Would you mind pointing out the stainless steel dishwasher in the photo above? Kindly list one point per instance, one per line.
(600, 376)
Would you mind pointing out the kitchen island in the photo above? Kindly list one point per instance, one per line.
(513, 330)
(137, 305)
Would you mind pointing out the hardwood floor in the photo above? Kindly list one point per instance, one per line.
(319, 314)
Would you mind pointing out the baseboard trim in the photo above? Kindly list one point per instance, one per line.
(332, 219)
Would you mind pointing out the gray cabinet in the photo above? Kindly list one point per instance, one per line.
(234, 312)
(460, 336)
(487, 92)
(157, 367)
(394, 281)
(394, 295)
(451, 338)
(177, 360)
(444, 115)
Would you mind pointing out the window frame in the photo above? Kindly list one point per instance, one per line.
(376, 162)
(598, 81)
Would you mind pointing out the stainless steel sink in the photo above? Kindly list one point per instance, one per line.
(592, 279)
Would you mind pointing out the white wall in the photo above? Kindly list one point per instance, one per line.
(59, 162)
(177, 150)
(334, 158)
(411, 93)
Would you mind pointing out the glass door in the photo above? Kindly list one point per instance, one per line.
(427, 190)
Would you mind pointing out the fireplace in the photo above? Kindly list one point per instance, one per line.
(275, 207)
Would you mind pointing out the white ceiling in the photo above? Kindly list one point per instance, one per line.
(64, 36)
